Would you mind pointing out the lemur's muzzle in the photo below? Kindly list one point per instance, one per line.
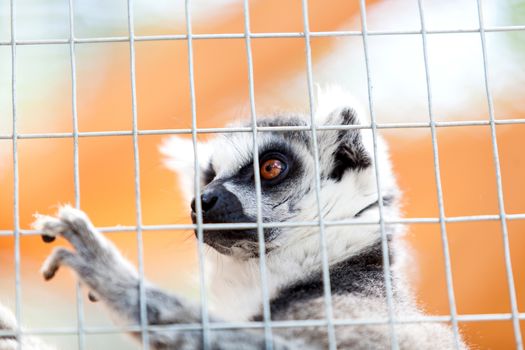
(219, 206)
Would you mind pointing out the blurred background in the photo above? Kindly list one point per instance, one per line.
(44, 105)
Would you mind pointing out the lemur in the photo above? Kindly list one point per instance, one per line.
(348, 190)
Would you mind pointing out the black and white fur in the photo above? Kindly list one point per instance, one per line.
(348, 189)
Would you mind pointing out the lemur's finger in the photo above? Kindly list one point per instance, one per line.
(71, 223)
(74, 217)
(92, 297)
(59, 256)
(85, 235)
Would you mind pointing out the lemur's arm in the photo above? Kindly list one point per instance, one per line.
(115, 281)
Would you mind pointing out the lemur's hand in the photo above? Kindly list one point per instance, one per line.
(96, 260)
(115, 281)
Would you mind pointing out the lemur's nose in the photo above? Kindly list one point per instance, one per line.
(208, 201)
(219, 206)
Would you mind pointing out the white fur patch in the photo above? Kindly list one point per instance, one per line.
(332, 98)
(180, 157)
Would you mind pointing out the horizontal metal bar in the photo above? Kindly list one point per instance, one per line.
(59, 135)
(258, 325)
(418, 32)
(342, 33)
(242, 226)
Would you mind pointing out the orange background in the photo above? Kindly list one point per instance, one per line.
(106, 167)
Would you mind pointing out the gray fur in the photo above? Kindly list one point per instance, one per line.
(103, 269)
(348, 190)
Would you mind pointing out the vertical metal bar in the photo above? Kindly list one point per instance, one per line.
(437, 175)
(79, 300)
(384, 241)
(256, 165)
(136, 160)
(501, 203)
(198, 205)
(16, 200)
(72, 58)
(322, 235)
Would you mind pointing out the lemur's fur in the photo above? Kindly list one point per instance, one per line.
(348, 189)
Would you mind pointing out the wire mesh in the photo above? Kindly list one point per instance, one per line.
(442, 226)
(16, 201)
(317, 174)
(267, 324)
(198, 203)
(258, 194)
(76, 176)
(136, 163)
(501, 206)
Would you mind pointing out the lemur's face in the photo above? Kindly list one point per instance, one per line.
(229, 183)
(287, 176)
(286, 171)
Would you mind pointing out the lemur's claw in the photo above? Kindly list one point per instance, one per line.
(92, 297)
(47, 238)
(49, 226)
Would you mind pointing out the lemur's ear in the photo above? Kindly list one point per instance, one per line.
(345, 149)
(180, 158)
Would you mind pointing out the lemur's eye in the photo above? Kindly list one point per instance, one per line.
(272, 168)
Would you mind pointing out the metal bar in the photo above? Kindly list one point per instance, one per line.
(439, 189)
(136, 162)
(260, 325)
(16, 185)
(276, 35)
(257, 179)
(501, 202)
(384, 241)
(197, 182)
(332, 344)
(76, 179)
(243, 226)
(437, 124)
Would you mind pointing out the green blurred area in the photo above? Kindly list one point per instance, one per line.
(515, 12)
